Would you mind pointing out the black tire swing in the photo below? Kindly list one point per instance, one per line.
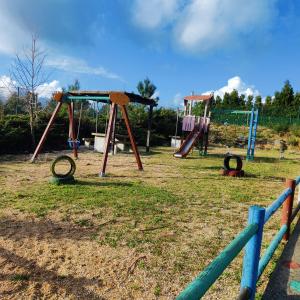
(234, 172)
(63, 178)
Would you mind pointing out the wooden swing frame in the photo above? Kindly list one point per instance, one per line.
(115, 99)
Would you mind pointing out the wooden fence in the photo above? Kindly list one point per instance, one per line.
(251, 240)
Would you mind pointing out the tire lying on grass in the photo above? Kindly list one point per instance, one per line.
(63, 178)
(233, 172)
(239, 163)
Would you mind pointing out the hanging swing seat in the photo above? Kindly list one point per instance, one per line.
(73, 143)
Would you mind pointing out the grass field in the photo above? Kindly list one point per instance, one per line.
(132, 234)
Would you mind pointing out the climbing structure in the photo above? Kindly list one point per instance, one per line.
(197, 127)
(252, 134)
(115, 99)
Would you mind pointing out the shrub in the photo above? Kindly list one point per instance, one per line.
(281, 128)
(295, 130)
(293, 141)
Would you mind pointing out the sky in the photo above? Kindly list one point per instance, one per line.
(183, 46)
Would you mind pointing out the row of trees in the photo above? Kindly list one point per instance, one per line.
(284, 103)
(27, 74)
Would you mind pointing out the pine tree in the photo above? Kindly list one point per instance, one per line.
(146, 88)
(249, 102)
(258, 102)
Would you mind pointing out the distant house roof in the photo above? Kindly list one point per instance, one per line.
(199, 97)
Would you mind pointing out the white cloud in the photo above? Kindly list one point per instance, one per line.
(236, 83)
(177, 99)
(77, 65)
(7, 87)
(154, 13)
(202, 25)
(47, 89)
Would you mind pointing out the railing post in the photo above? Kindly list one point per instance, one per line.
(287, 208)
(256, 215)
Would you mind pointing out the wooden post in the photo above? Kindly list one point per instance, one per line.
(252, 251)
(149, 128)
(185, 107)
(43, 138)
(113, 135)
(205, 109)
(206, 136)
(72, 134)
(132, 141)
(287, 208)
(108, 138)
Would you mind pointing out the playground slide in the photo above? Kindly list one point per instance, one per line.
(189, 142)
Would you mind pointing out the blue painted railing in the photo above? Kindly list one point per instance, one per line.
(271, 249)
(270, 210)
(251, 240)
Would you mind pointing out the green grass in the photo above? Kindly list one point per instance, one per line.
(124, 198)
(181, 211)
(20, 277)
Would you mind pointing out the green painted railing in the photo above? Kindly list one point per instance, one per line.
(270, 251)
(251, 237)
(196, 289)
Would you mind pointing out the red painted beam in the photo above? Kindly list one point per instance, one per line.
(132, 141)
(43, 138)
(287, 208)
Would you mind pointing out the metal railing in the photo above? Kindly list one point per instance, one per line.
(251, 239)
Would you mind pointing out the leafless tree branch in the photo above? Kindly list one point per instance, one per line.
(27, 73)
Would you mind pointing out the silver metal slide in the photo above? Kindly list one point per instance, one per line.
(189, 142)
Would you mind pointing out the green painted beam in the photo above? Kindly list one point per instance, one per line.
(197, 288)
(241, 112)
(270, 250)
(89, 98)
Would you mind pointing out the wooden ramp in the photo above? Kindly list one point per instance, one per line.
(285, 280)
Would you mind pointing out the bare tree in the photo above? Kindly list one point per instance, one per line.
(27, 73)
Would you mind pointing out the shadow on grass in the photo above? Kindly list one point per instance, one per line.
(143, 153)
(259, 159)
(102, 184)
(214, 168)
(270, 178)
(44, 228)
(73, 286)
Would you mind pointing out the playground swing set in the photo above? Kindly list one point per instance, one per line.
(116, 100)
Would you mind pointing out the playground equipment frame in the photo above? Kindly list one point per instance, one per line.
(115, 99)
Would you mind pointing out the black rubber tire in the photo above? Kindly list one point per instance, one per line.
(70, 173)
(239, 163)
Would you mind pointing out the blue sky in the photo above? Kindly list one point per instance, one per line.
(181, 45)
